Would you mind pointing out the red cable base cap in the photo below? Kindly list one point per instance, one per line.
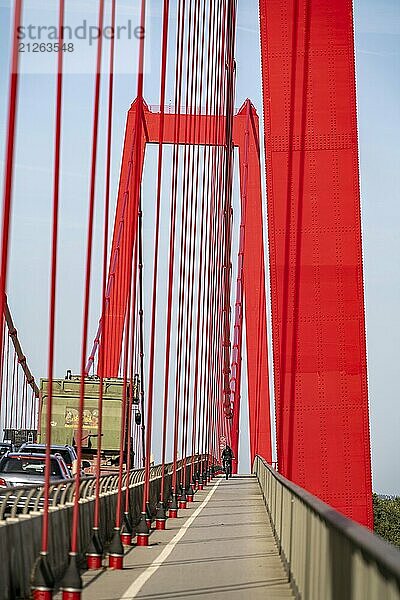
(182, 504)
(142, 540)
(160, 524)
(71, 594)
(42, 594)
(94, 561)
(172, 513)
(126, 539)
(115, 562)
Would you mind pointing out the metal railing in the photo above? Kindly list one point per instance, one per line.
(326, 555)
(21, 521)
(22, 500)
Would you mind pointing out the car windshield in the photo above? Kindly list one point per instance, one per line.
(63, 451)
(66, 456)
(30, 466)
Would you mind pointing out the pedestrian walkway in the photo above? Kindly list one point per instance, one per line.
(220, 547)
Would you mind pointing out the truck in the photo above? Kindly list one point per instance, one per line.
(65, 413)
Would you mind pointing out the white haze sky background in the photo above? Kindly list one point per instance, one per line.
(377, 38)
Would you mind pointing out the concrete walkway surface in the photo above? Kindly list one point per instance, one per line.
(225, 550)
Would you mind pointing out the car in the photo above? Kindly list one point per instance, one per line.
(67, 452)
(6, 447)
(23, 469)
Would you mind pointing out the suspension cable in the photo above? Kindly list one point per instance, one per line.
(53, 281)
(102, 350)
(9, 159)
(88, 268)
(164, 45)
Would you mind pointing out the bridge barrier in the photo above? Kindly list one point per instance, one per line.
(21, 522)
(326, 555)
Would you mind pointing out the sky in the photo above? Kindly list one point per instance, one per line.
(377, 42)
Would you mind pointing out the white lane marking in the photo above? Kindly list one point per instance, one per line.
(137, 585)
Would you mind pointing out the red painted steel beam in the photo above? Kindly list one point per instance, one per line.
(209, 130)
(314, 225)
(246, 129)
(125, 232)
(18, 349)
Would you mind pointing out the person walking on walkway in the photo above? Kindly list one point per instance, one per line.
(227, 457)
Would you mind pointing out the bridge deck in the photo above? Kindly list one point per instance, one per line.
(225, 550)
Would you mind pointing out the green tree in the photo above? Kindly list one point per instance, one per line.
(387, 518)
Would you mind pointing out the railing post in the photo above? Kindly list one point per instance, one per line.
(290, 539)
(280, 524)
(275, 492)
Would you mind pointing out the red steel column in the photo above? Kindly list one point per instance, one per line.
(315, 250)
(246, 137)
(254, 283)
(117, 285)
(124, 229)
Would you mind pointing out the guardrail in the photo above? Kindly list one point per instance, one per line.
(326, 555)
(23, 500)
(21, 521)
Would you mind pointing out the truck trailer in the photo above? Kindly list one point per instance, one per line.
(65, 413)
